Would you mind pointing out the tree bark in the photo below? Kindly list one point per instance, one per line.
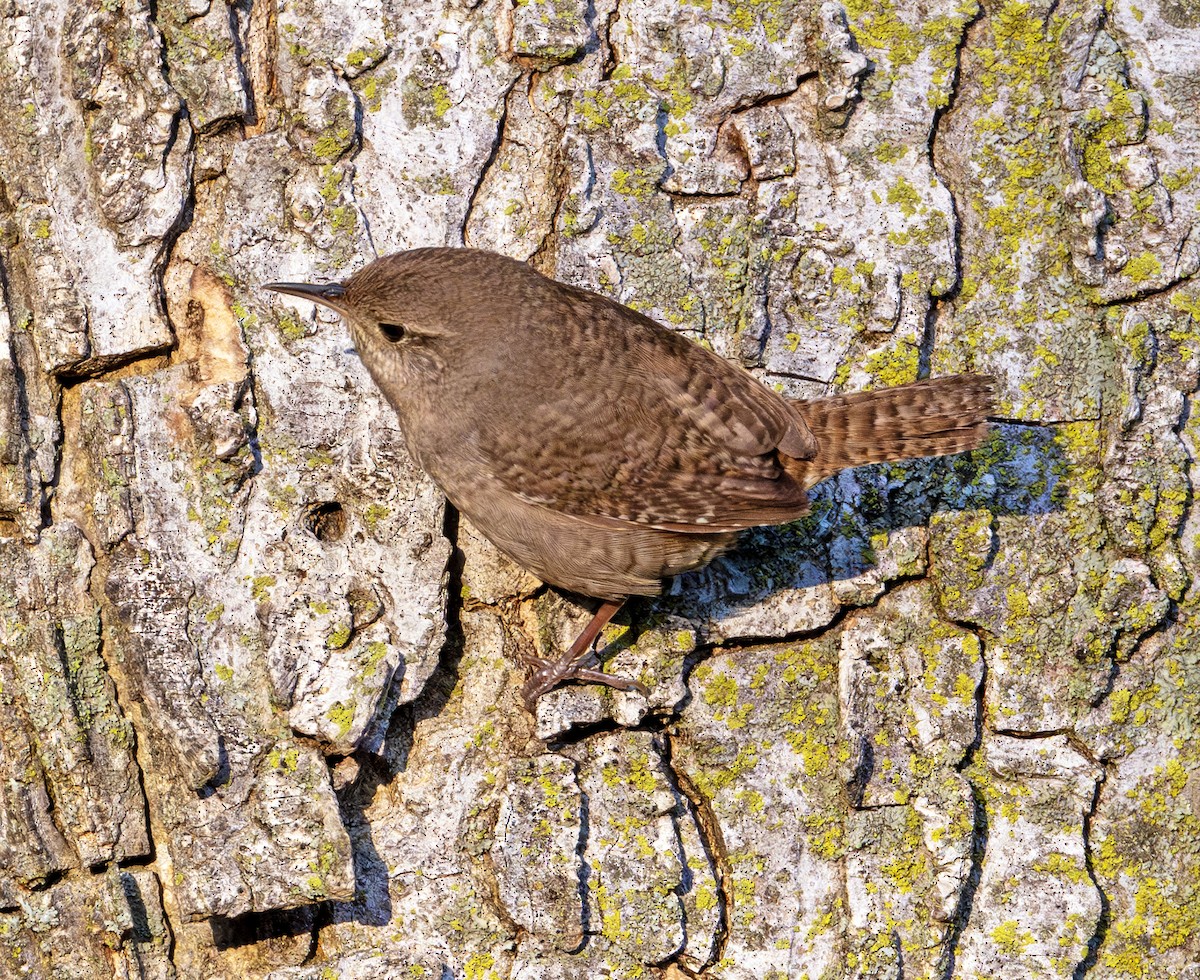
(260, 708)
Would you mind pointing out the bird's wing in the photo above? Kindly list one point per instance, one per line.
(672, 437)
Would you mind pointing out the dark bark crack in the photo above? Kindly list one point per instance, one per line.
(493, 153)
(1096, 940)
(966, 898)
(715, 851)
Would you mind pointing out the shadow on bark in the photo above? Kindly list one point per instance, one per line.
(1017, 473)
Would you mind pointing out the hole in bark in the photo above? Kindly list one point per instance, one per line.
(9, 528)
(365, 606)
(326, 520)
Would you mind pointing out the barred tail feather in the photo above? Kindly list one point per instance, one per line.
(927, 418)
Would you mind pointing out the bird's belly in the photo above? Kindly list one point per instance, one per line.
(606, 560)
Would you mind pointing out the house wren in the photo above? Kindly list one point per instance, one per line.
(595, 447)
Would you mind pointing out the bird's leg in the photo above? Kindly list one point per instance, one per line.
(569, 667)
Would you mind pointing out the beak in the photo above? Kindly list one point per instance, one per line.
(328, 294)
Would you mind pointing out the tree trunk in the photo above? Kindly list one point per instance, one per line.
(260, 688)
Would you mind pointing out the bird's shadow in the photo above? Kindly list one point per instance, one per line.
(855, 514)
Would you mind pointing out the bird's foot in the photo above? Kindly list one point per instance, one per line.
(573, 665)
(550, 673)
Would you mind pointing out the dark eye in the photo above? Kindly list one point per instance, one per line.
(392, 331)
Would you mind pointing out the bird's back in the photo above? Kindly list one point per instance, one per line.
(581, 405)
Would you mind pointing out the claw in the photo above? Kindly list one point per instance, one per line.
(572, 666)
(551, 673)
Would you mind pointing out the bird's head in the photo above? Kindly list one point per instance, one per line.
(404, 314)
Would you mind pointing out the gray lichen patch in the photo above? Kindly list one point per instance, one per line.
(907, 867)
(1151, 794)
(116, 921)
(634, 871)
(551, 31)
(513, 210)
(762, 745)
(30, 430)
(113, 195)
(537, 850)
(430, 130)
(69, 748)
(1054, 619)
(652, 650)
(908, 686)
(202, 45)
(1043, 906)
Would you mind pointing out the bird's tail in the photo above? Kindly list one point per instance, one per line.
(927, 418)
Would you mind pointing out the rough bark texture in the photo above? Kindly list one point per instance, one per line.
(259, 710)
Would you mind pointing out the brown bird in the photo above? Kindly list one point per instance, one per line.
(598, 449)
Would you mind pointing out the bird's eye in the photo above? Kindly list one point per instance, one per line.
(392, 331)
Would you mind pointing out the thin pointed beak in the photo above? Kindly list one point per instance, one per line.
(327, 294)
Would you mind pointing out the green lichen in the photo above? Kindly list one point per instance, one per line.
(331, 145)
(640, 185)
(720, 691)
(888, 152)
(342, 716)
(484, 735)
(286, 759)
(339, 636)
(1187, 300)
(343, 219)
(376, 651)
(1154, 892)
(291, 328)
(1176, 180)
(895, 363)
(1011, 939)
(478, 966)
(425, 99)
(1143, 267)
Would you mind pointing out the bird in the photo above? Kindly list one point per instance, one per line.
(597, 448)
